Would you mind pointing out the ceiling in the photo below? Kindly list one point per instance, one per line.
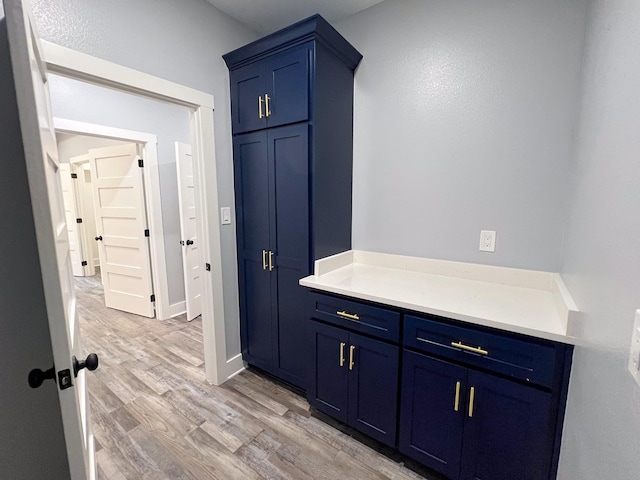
(267, 16)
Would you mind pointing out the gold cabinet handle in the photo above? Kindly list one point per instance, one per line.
(461, 345)
(270, 260)
(266, 103)
(260, 114)
(456, 402)
(472, 395)
(350, 316)
(342, 345)
(352, 349)
(264, 259)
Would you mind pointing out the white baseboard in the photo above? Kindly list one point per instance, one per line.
(177, 309)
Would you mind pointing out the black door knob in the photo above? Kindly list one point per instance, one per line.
(37, 376)
(91, 363)
(98, 238)
(182, 242)
(189, 242)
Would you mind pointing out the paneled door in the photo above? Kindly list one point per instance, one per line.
(121, 224)
(45, 407)
(191, 263)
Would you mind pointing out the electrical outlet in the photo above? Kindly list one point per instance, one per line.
(487, 241)
(634, 352)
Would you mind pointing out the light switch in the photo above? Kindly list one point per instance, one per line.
(634, 352)
(225, 215)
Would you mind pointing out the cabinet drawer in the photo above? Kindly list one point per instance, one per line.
(519, 358)
(374, 321)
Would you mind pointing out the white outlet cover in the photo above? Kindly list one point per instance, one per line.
(487, 240)
(634, 351)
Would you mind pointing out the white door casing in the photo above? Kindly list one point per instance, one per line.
(118, 198)
(74, 229)
(191, 260)
(43, 172)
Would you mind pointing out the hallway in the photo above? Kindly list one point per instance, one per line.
(155, 417)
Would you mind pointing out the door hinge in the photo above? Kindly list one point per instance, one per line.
(207, 267)
(140, 163)
(84, 263)
(153, 298)
(74, 175)
(78, 220)
(146, 232)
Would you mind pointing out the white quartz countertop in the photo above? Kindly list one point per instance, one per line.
(522, 301)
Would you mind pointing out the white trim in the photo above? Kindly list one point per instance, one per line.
(152, 199)
(176, 309)
(235, 365)
(81, 66)
(73, 64)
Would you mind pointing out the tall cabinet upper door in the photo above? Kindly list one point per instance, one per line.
(289, 162)
(288, 86)
(248, 101)
(252, 210)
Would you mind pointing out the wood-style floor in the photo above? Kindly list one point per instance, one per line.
(155, 417)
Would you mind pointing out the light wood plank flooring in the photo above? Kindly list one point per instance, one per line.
(155, 417)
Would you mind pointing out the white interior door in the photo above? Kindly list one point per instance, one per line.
(118, 198)
(74, 229)
(51, 282)
(189, 230)
(84, 203)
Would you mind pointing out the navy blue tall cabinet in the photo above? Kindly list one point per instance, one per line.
(292, 122)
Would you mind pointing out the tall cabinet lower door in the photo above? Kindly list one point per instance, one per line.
(252, 172)
(273, 239)
(288, 153)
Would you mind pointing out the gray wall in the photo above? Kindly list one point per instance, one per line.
(601, 259)
(75, 100)
(463, 121)
(181, 41)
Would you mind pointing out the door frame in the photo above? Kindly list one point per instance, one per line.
(71, 63)
(151, 178)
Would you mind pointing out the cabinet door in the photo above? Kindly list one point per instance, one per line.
(432, 412)
(288, 86)
(327, 390)
(373, 387)
(248, 88)
(508, 434)
(252, 212)
(289, 233)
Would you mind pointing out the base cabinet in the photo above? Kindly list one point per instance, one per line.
(471, 425)
(355, 380)
(475, 403)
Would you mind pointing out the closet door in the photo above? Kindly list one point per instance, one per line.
(287, 76)
(289, 162)
(248, 103)
(252, 213)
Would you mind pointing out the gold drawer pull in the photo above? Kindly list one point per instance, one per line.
(264, 259)
(461, 345)
(266, 104)
(350, 316)
(456, 402)
(270, 260)
(342, 345)
(260, 114)
(472, 396)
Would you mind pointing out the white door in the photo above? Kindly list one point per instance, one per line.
(84, 203)
(121, 225)
(74, 229)
(189, 230)
(42, 236)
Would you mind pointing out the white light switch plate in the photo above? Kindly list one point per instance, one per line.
(634, 352)
(225, 215)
